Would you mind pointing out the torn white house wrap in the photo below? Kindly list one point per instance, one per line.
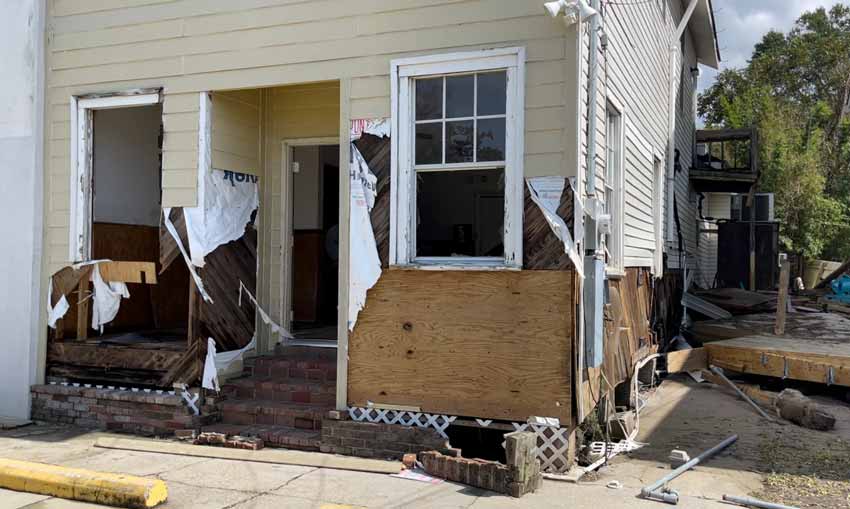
(380, 127)
(216, 362)
(106, 299)
(228, 202)
(55, 313)
(364, 261)
(275, 327)
(546, 192)
(173, 231)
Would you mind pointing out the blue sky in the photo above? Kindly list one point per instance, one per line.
(742, 23)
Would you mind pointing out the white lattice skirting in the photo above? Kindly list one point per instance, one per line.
(403, 417)
(553, 445)
(552, 442)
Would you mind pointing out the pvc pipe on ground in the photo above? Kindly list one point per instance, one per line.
(83, 485)
(754, 502)
(717, 371)
(652, 492)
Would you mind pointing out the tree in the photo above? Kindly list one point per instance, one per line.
(795, 90)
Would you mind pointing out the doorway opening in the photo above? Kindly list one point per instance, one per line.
(314, 264)
(126, 206)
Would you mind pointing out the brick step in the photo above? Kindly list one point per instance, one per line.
(284, 369)
(273, 436)
(305, 352)
(295, 391)
(267, 412)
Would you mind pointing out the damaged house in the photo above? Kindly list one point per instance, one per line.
(449, 218)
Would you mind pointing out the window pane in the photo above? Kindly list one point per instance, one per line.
(460, 96)
(492, 98)
(429, 99)
(460, 213)
(491, 139)
(429, 143)
(459, 141)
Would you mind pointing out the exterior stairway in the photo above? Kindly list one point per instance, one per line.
(282, 398)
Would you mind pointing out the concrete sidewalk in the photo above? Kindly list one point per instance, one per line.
(680, 415)
(219, 484)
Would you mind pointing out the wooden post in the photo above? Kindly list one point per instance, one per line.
(82, 309)
(782, 300)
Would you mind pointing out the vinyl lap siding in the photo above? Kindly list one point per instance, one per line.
(685, 130)
(185, 47)
(633, 73)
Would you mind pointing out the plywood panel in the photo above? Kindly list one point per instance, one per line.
(490, 344)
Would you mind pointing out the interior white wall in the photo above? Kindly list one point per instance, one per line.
(21, 203)
(308, 184)
(126, 165)
(306, 195)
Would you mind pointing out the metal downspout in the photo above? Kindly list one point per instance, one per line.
(594, 261)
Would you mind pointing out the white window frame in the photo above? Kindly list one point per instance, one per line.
(82, 115)
(403, 176)
(616, 249)
(658, 175)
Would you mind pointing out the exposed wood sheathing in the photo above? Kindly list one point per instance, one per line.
(541, 248)
(168, 250)
(489, 344)
(224, 320)
(627, 335)
(376, 153)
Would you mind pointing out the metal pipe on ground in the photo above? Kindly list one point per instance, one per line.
(754, 502)
(654, 492)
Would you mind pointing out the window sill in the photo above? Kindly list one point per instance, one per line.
(615, 273)
(468, 265)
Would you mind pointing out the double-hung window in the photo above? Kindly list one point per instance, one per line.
(614, 201)
(457, 168)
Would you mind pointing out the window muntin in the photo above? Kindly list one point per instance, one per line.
(460, 119)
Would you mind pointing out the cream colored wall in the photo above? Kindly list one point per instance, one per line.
(293, 112)
(235, 138)
(186, 47)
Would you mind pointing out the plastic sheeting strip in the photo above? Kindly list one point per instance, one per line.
(173, 231)
(546, 192)
(216, 362)
(276, 328)
(54, 314)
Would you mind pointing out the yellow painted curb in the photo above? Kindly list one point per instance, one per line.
(84, 485)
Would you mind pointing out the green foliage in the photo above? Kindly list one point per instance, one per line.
(795, 91)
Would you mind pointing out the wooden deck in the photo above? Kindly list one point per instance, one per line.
(812, 359)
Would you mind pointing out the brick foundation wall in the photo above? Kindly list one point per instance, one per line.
(140, 413)
(373, 440)
(520, 476)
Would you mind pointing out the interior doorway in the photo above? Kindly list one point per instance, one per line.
(312, 221)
